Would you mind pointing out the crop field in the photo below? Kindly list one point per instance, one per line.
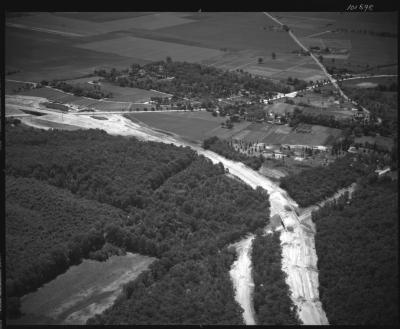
(299, 21)
(283, 66)
(92, 287)
(51, 56)
(233, 31)
(148, 22)
(227, 40)
(74, 25)
(151, 49)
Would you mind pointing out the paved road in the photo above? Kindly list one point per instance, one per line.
(333, 81)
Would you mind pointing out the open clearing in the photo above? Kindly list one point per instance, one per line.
(83, 291)
(191, 125)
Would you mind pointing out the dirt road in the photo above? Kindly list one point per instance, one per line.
(242, 279)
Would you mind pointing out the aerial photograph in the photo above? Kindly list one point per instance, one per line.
(201, 168)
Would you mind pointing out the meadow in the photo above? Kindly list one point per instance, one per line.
(191, 125)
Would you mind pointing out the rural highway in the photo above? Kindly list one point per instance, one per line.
(333, 81)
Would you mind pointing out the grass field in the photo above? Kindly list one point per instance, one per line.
(84, 290)
(194, 126)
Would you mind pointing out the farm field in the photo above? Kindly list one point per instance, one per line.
(92, 287)
(227, 40)
(283, 66)
(72, 26)
(151, 49)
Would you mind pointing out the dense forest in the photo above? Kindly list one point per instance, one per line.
(272, 303)
(189, 80)
(115, 170)
(163, 201)
(47, 230)
(357, 249)
(226, 150)
(314, 184)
